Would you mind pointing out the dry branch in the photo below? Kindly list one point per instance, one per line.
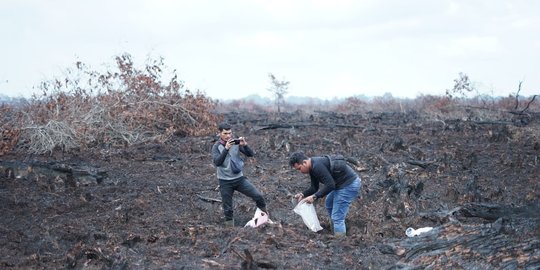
(206, 199)
(423, 164)
(44, 138)
(229, 244)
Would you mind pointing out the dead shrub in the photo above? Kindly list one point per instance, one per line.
(9, 130)
(118, 107)
(44, 138)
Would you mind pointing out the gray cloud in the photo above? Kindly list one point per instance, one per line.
(324, 48)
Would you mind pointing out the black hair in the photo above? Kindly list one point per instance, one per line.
(297, 158)
(224, 126)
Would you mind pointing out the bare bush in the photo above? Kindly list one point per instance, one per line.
(117, 107)
(279, 89)
(45, 138)
(351, 105)
(9, 130)
(462, 86)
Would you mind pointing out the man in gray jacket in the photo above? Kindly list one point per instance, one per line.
(226, 156)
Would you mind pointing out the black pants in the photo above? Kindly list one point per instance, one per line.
(242, 185)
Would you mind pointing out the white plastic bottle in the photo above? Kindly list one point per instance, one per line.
(410, 232)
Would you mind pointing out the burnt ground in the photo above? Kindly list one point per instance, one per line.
(152, 206)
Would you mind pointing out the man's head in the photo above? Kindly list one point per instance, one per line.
(299, 161)
(224, 126)
(225, 132)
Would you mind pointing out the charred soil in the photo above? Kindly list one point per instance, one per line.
(156, 206)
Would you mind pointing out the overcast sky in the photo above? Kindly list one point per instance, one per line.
(324, 48)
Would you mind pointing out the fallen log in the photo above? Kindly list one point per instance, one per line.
(489, 212)
(510, 242)
(493, 212)
(470, 247)
(295, 125)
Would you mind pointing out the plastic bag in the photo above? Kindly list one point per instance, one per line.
(309, 216)
(258, 219)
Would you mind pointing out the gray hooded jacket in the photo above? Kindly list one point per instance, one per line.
(222, 159)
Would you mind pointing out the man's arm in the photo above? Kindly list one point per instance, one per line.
(218, 157)
(323, 175)
(312, 188)
(246, 150)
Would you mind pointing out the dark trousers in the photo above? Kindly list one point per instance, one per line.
(242, 185)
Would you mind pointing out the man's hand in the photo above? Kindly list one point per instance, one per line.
(309, 199)
(243, 141)
(299, 196)
(229, 144)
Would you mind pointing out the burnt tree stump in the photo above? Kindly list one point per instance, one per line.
(509, 239)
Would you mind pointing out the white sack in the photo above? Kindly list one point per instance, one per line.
(309, 216)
